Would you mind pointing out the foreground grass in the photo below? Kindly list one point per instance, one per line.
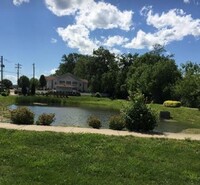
(37, 158)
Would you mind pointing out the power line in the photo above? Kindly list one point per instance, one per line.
(9, 72)
(9, 61)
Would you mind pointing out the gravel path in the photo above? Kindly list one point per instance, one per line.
(166, 135)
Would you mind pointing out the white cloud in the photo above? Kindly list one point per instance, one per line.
(115, 40)
(77, 36)
(53, 71)
(66, 7)
(175, 21)
(104, 16)
(144, 11)
(53, 40)
(171, 26)
(115, 51)
(19, 2)
(144, 40)
(186, 1)
(12, 78)
(92, 14)
(89, 15)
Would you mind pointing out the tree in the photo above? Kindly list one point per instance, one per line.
(125, 61)
(188, 88)
(34, 81)
(24, 83)
(82, 67)
(154, 76)
(102, 67)
(68, 63)
(33, 89)
(42, 81)
(138, 117)
(7, 83)
(158, 49)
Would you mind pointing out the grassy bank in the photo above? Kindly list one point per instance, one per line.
(7, 100)
(52, 158)
(188, 118)
(72, 100)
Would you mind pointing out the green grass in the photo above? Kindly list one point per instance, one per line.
(7, 100)
(184, 119)
(72, 100)
(94, 101)
(38, 158)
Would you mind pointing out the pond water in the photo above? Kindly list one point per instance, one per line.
(73, 116)
(77, 116)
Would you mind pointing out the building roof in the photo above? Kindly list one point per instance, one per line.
(50, 77)
(65, 75)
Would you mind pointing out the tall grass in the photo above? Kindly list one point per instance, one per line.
(72, 100)
(29, 100)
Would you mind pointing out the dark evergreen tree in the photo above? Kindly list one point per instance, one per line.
(42, 81)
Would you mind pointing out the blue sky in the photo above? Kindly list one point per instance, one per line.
(41, 31)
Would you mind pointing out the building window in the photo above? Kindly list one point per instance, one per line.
(62, 82)
(68, 82)
(74, 83)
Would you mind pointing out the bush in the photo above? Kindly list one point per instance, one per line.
(22, 116)
(171, 103)
(4, 94)
(94, 122)
(138, 117)
(45, 119)
(116, 123)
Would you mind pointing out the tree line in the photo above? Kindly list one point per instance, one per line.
(154, 74)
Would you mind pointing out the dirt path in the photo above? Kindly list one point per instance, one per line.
(167, 135)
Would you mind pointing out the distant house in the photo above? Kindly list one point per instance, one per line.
(67, 83)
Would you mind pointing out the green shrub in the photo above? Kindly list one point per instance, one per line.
(4, 94)
(94, 122)
(138, 117)
(45, 119)
(116, 123)
(171, 103)
(22, 116)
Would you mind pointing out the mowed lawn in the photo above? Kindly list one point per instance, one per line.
(37, 158)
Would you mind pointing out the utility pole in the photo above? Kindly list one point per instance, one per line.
(18, 66)
(2, 66)
(33, 71)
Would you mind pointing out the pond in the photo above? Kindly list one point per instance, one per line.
(73, 116)
(77, 116)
